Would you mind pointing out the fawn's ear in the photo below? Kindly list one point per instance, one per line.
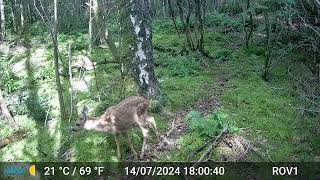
(84, 113)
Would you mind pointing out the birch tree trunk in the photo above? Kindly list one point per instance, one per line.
(138, 40)
(2, 21)
(94, 36)
(21, 16)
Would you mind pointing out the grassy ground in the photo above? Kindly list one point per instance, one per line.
(266, 114)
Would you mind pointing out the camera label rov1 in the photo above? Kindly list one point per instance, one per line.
(284, 171)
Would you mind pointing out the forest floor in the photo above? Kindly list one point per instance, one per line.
(204, 95)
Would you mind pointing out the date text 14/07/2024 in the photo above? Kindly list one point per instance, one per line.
(174, 171)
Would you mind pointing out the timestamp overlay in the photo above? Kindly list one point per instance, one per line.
(160, 170)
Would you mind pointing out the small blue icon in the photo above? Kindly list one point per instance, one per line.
(13, 171)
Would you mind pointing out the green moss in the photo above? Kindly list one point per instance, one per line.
(168, 40)
(181, 66)
(184, 92)
(254, 104)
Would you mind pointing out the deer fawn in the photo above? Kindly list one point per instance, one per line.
(117, 119)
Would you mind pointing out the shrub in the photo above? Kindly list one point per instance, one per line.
(223, 21)
(224, 55)
(233, 7)
(80, 41)
(210, 125)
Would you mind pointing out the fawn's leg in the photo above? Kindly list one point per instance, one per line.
(143, 124)
(153, 125)
(131, 145)
(116, 137)
(145, 134)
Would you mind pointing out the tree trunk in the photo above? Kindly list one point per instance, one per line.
(90, 26)
(153, 7)
(100, 25)
(173, 17)
(2, 21)
(13, 16)
(268, 48)
(21, 17)
(185, 22)
(94, 36)
(249, 34)
(138, 37)
(198, 6)
(54, 33)
(5, 112)
(163, 8)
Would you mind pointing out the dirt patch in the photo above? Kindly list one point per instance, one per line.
(168, 140)
(36, 60)
(234, 148)
(178, 128)
(18, 49)
(207, 106)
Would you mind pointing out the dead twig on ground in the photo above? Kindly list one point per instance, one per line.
(18, 135)
(213, 144)
(173, 125)
(103, 140)
(45, 154)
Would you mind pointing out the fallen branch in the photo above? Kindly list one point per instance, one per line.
(200, 149)
(45, 154)
(169, 50)
(103, 140)
(206, 54)
(18, 135)
(182, 52)
(241, 155)
(106, 62)
(309, 110)
(207, 154)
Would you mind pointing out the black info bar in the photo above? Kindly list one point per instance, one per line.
(159, 170)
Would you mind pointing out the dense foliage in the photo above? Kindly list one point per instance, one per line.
(250, 66)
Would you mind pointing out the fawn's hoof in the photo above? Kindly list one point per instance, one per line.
(135, 156)
(141, 156)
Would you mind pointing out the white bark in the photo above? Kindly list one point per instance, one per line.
(2, 21)
(137, 37)
(140, 54)
(21, 16)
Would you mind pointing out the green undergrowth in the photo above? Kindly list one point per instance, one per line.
(269, 114)
(200, 130)
(248, 103)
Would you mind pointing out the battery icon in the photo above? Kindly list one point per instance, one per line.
(32, 170)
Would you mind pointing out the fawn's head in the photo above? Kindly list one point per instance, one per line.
(83, 118)
(101, 123)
